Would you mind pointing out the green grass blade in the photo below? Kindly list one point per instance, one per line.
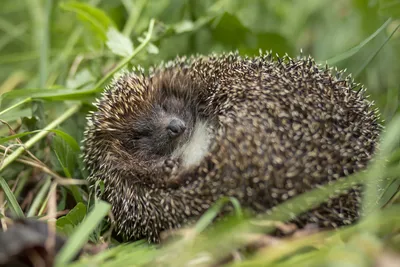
(371, 57)
(11, 198)
(128, 59)
(390, 141)
(134, 15)
(212, 213)
(50, 94)
(26, 100)
(39, 197)
(354, 50)
(81, 235)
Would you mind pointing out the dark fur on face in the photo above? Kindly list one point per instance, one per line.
(162, 128)
(143, 121)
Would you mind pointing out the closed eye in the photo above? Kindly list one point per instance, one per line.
(143, 133)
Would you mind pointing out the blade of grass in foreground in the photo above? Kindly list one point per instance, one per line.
(11, 198)
(26, 100)
(81, 235)
(212, 213)
(371, 57)
(374, 182)
(39, 197)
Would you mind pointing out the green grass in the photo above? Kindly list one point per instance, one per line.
(57, 56)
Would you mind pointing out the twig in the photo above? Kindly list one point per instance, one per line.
(60, 180)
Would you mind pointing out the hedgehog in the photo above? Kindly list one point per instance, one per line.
(261, 129)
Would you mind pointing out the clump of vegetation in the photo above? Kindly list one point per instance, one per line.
(57, 56)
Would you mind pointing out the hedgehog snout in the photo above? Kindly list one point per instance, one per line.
(176, 127)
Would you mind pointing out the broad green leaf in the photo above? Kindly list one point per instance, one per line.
(64, 226)
(77, 214)
(229, 31)
(94, 17)
(118, 43)
(65, 155)
(69, 222)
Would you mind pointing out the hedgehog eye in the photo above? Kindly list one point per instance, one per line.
(144, 133)
(135, 137)
(164, 107)
(140, 133)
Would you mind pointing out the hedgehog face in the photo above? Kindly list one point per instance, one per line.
(166, 126)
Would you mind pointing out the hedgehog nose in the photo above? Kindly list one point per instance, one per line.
(176, 127)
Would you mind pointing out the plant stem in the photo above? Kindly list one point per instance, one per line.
(134, 16)
(26, 100)
(45, 45)
(126, 60)
(13, 156)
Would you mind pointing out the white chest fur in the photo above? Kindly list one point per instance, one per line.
(197, 146)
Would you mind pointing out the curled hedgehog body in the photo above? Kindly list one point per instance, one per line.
(259, 129)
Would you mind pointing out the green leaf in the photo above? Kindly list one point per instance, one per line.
(152, 49)
(81, 234)
(69, 222)
(77, 214)
(118, 43)
(65, 155)
(229, 31)
(184, 26)
(96, 18)
(389, 8)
